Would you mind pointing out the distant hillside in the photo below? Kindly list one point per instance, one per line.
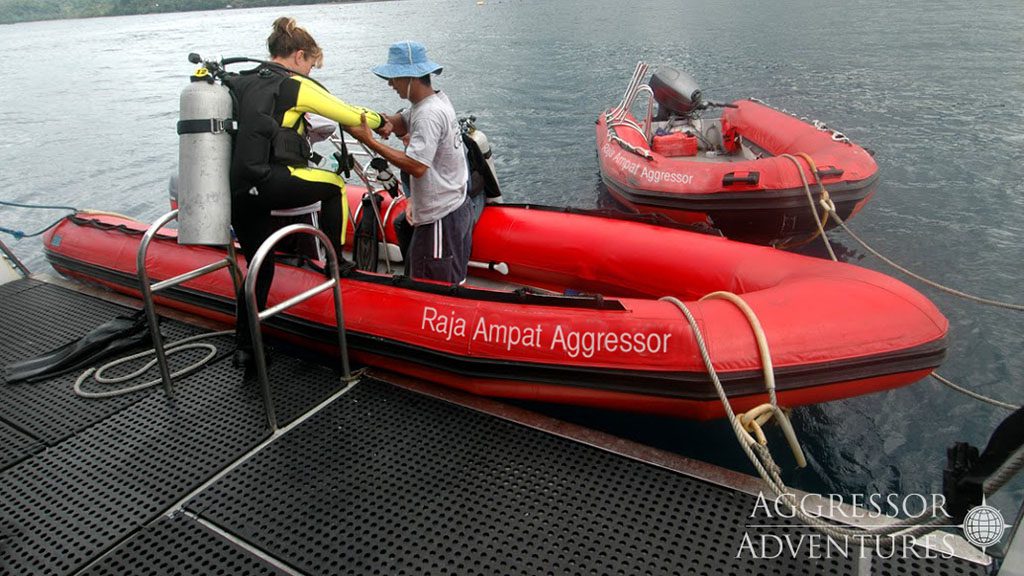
(27, 10)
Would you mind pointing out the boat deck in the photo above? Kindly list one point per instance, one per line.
(383, 476)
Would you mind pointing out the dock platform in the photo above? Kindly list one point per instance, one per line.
(384, 476)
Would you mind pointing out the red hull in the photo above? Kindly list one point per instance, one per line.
(625, 351)
(699, 189)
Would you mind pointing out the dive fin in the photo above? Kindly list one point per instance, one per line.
(117, 335)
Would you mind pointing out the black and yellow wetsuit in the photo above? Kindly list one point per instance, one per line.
(268, 169)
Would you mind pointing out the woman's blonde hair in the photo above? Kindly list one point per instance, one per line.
(287, 38)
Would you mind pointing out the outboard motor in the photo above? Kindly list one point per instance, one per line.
(676, 93)
(204, 161)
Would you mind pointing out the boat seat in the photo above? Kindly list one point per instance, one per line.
(305, 245)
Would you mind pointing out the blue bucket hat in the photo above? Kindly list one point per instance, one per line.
(407, 60)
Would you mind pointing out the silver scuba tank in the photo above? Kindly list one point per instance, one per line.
(481, 140)
(204, 162)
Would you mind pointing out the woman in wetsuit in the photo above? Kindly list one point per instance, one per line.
(270, 163)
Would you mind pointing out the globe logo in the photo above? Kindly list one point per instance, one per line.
(983, 526)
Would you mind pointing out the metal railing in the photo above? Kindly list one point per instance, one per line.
(614, 121)
(148, 289)
(256, 317)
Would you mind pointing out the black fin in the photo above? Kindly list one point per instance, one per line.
(117, 335)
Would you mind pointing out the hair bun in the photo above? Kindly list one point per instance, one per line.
(288, 37)
(284, 25)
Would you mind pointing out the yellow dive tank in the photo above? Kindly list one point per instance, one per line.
(204, 162)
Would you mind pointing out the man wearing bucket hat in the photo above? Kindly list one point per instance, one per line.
(438, 207)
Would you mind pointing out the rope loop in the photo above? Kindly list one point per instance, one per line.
(761, 458)
(828, 205)
(172, 348)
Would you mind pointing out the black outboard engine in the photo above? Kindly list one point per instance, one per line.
(676, 93)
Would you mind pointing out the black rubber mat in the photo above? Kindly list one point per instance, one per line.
(15, 446)
(38, 318)
(11, 288)
(116, 463)
(297, 386)
(179, 546)
(385, 481)
(69, 504)
(73, 501)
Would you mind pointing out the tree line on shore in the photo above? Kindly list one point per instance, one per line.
(12, 11)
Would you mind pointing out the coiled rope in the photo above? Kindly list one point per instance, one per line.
(172, 348)
(829, 208)
(758, 453)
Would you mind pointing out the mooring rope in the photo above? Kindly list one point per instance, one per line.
(830, 208)
(810, 198)
(19, 234)
(1004, 473)
(762, 460)
(975, 395)
(980, 300)
(830, 211)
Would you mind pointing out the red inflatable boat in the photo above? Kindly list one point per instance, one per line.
(730, 171)
(576, 318)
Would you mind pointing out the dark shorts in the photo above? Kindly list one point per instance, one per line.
(440, 250)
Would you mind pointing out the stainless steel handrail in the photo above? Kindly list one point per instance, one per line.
(256, 317)
(650, 110)
(148, 289)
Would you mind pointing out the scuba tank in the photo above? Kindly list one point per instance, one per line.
(480, 157)
(204, 161)
(480, 138)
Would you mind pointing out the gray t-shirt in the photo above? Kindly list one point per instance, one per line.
(435, 141)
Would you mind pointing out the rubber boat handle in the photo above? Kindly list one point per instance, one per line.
(829, 172)
(741, 178)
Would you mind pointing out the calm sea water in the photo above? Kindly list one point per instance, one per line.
(88, 109)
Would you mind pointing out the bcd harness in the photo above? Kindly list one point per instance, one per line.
(261, 96)
(259, 136)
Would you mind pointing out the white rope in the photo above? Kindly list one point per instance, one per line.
(765, 464)
(948, 290)
(172, 348)
(767, 369)
(810, 197)
(830, 210)
(627, 146)
(1004, 473)
(975, 395)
